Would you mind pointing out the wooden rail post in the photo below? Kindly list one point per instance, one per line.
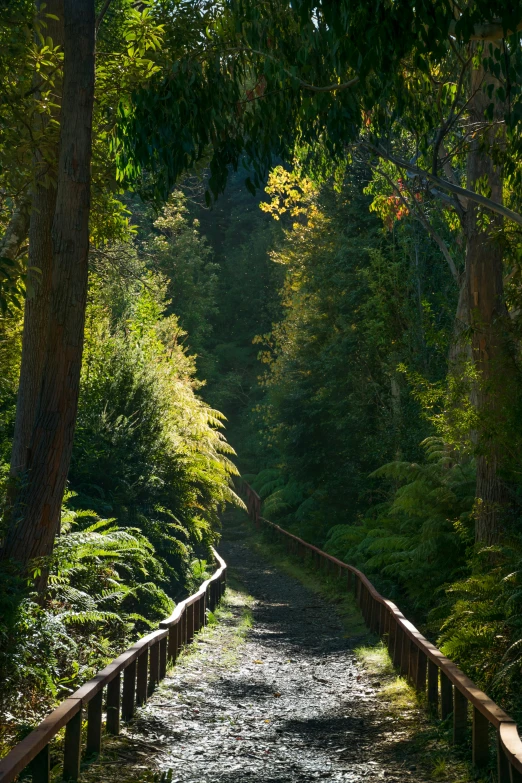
(381, 627)
(480, 739)
(503, 764)
(433, 687)
(460, 716)
(113, 705)
(94, 724)
(141, 679)
(386, 621)
(183, 629)
(129, 691)
(397, 647)
(203, 610)
(163, 658)
(40, 766)
(173, 642)
(153, 667)
(195, 613)
(392, 632)
(412, 668)
(189, 611)
(405, 656)
(72, 749)
(420, 673)
(446, 696)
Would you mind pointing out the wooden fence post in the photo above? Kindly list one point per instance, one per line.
(203, 613)
(503, 764)
(183, 621)
(420, 672)
(414, 657)
(72, 749)
(129, 691)
(94, 724)
(113, 705)
(433, 687)
(141, 678)
(480, 739)
(392, 630)
(163, 658)
(40, 766)
(173, 642)
(446, 696)
(460, 716)
(189, 611)
(153, 667)
(405, 655)
(381, 625)
(397, 647)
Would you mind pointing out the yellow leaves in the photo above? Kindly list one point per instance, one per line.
(291, 193)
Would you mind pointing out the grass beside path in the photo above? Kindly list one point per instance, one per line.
(426, 741)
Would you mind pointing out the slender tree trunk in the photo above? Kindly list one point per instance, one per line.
(487, 319)
(37, 520)
(38, 301)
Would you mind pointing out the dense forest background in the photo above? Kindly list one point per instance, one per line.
(292, 253)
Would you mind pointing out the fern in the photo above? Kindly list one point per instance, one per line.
(404, 545)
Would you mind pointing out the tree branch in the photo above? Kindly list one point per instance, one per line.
(305, 85)
(443, 184)
(487, 32)
(103, 11)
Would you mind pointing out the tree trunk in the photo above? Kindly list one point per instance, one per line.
(38, 300)
(37, 520)
(487, 319)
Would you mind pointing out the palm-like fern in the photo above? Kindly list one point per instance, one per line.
(417, 541)
(103, 573)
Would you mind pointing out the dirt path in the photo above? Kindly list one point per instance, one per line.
(284, 700)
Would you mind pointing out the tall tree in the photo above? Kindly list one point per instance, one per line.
(36, 513)
(42, 210)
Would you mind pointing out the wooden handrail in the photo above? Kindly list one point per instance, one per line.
(447, 688)
(143, 666)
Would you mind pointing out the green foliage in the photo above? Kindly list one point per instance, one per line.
(247, 303)
(338, 404)
(148, 450)
(178, 251)
(404, 544)
(480, 621)
(104, 588)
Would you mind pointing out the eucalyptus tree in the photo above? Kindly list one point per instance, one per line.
(64, 293)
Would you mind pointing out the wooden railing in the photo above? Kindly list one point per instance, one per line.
(142, 667)
(447, 689)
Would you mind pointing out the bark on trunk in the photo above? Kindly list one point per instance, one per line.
(38, 301)
(38, 505)
(487, 318)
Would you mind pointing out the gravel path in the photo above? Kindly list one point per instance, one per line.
(289, 702)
